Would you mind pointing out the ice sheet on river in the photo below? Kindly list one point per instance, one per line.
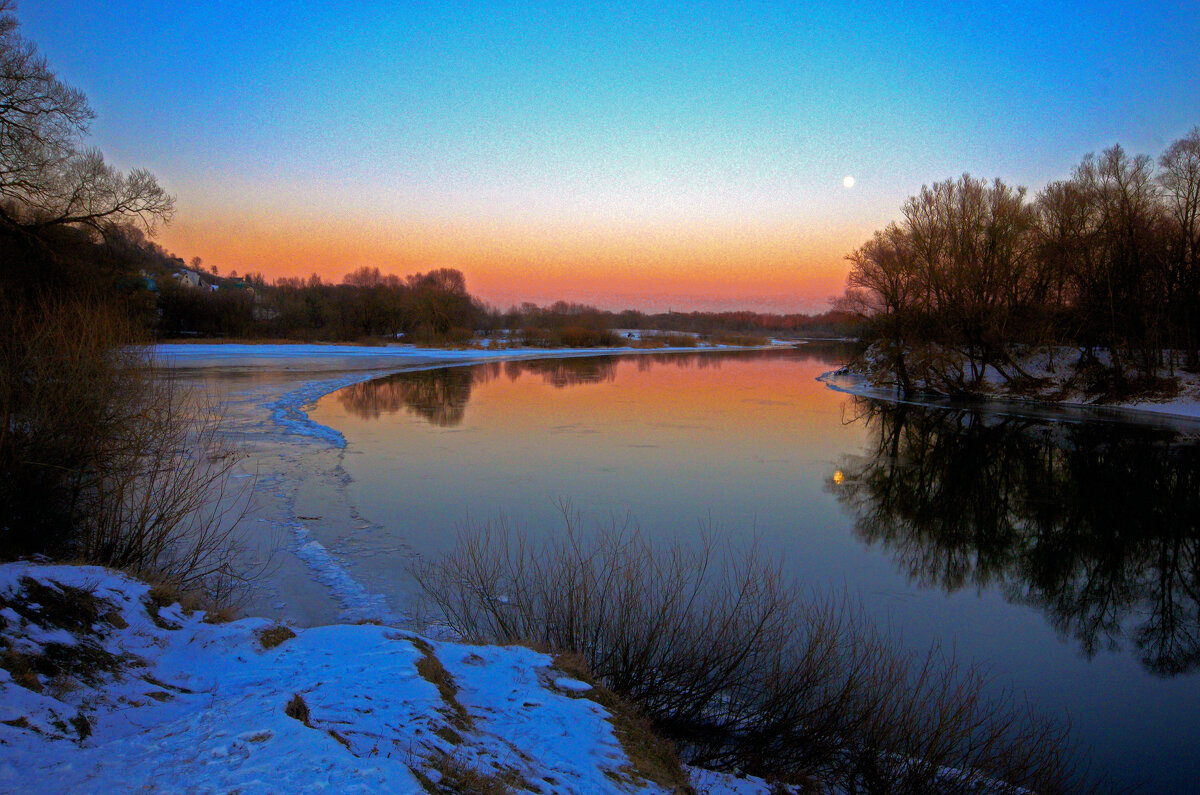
(304, 519)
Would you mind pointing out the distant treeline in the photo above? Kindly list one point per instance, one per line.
(423, 306)
(173, 299)
(835, 323)
(1108, 260)
(432, 307)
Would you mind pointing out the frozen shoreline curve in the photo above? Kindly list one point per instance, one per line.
(357, 363)
(1182, 413)
(305, 517)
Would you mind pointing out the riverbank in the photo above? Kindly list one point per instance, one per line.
(1055, 382)
(106, 686)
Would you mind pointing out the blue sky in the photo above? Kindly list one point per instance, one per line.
(712, 137)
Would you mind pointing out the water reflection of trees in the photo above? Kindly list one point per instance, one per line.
(1098, 525)
(560, 373)
(441, 395)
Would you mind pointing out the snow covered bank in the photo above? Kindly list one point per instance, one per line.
(1053, 385)
(103, 689)
(324, 356)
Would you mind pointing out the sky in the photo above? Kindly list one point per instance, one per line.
(686, 156)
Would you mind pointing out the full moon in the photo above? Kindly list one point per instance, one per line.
(848, 181)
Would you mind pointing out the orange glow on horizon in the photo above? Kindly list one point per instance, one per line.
(778, 268)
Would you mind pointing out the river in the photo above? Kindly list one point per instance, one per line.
(1057, 550)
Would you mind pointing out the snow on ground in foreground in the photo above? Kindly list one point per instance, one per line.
(155, 699)
(158, 700)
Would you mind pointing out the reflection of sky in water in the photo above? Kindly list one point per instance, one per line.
(745, 443)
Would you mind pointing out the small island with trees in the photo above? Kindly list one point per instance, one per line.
(1088, 291)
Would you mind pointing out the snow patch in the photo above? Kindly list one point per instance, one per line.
(202, 708)
(571, 685)
(868, 378)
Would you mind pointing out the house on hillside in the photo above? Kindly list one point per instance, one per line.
(145, 280)
(187, 277)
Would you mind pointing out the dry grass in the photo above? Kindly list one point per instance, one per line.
(665, 340)
(297, 709)
(742, 673)
(157, 598)
(57, 606)
(61, 666)
(456, 777)
(22, 670)
(275, 635)
(216, 610)
(431, 670)
(569, 337)
(651, 758)
(740, 340)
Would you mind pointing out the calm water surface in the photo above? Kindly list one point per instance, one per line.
(1060, 553)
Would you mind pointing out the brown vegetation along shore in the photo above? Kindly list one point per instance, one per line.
(743, 673)
(567, 337)
(372, 341)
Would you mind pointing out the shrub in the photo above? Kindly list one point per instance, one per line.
(666, 340)
(104, 460)
(746, 675)
(569, 337)
(742, 340)
(454, 337)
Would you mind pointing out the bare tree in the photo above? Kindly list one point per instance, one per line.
(883, 286)
(974, 274)
(1180, 181)
(958, 276)
(47, 176)
(882, 272)
(1124, 290)
(1063, 226)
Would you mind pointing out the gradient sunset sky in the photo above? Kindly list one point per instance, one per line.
(684, 156)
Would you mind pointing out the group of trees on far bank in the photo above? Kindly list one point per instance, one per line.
(1108, 259)
(834, 323)
(432, 307)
